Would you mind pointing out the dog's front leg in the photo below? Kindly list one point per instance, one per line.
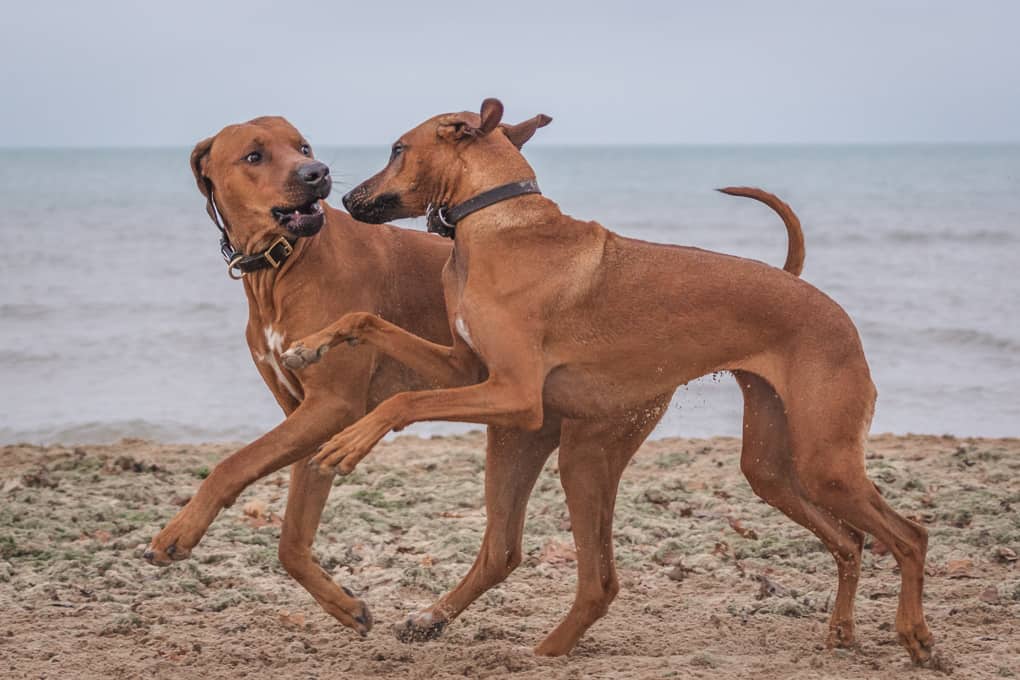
(443, 366)
(515, 403)
(296, 437)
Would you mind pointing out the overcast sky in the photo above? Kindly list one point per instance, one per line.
(168, 73)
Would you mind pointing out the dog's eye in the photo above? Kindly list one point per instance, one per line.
(306, 150)
(253, 157)
(397, 149)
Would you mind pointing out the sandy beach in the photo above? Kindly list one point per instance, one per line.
(715, 583)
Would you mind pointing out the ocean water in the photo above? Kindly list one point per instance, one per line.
(117, 319)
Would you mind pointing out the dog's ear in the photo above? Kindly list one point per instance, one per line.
(523, 131)
(458, 126)
(491, 113)
(198, 156)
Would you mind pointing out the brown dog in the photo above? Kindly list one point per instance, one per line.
(570, 318)
(261, 178)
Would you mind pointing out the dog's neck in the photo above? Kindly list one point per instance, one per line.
(257, 242)
(483, 174)
(487, 172)
(262, 286)
(528, 211)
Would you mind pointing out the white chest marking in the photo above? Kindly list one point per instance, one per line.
(274, 343)
(462, 331)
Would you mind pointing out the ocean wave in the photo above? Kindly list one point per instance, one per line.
(24, 311)
(990, 236)
(18, 357)
(887, 330)
(95, 432)
(35, 311)
(971, 337)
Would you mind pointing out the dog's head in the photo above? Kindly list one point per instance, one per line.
(445, 160)
(263, 179)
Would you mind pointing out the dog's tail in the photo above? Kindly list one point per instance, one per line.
(795, 245)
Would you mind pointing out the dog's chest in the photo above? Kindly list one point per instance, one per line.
(460, 325)
(266, 348)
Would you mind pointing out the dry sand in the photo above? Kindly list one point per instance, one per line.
(699, 598)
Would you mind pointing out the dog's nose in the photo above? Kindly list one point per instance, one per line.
(313, 173)
(346, 200)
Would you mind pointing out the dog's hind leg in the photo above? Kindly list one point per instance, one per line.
(305, 500)
(593, 456)
(828, 424)
(767, 463)
(513, 461)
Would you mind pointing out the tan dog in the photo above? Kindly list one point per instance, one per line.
(261, 178)
(570, 318)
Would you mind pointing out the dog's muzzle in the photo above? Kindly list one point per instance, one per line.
(377, 211)
(302, 220)
(306, 218)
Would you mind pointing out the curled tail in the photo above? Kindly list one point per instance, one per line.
(795, 244)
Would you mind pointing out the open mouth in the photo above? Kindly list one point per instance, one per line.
(301, 220)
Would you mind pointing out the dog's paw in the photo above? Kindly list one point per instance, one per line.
(360, 615)
(175, 542)
(342, 453)
(419, 627)
(163, 554)
(299, 356)
(841, 635)
(918, 641)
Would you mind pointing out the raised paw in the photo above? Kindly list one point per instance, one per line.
(342, 453)
(419, 627)
(299, 356)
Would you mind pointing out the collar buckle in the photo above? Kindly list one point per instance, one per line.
(438, 222)
(240, 265)
(287, 250)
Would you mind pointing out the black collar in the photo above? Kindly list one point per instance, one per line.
(443, 220)
(239, 264)
(273, 256)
